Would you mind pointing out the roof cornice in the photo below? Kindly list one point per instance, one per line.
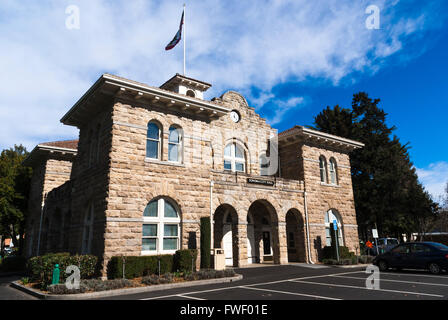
(319, 137)
(139, 90)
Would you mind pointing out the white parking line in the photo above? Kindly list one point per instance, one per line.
(290, 293)
(364, 288)
(247, 285)
(302, 278)
(187, 293)
(187, 297)
(401, 281)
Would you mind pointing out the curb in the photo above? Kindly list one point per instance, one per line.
(119, 292)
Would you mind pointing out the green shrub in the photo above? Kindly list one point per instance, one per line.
(185, 261)
(138, 266)
(209, 274)
(41, 268)
(13, 263)
(205, 242)
(329, 253)
(94, 285)
(365, 259)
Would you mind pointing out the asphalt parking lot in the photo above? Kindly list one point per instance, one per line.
(301, 282)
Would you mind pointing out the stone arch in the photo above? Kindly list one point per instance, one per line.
(266, 231)
(295, 236)
(225, 232)
(328, 219)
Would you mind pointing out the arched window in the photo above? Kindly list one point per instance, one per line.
(153, 141)
(331, 217)
(323, 169)
(161, 227)
(175, 147)
(234, 159)
(333, 172)
(87, 234)
(191, 93)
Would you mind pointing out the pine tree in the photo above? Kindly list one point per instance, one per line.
(386, 188)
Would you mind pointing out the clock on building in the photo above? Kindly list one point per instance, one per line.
(235, 116)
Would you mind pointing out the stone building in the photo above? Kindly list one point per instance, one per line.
(151, 161)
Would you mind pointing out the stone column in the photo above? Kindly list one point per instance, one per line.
(282, 243)
(242, 243)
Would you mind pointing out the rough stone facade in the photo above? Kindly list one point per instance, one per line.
(113, 179)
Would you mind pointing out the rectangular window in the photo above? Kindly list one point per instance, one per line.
(149, 237)
(170, 230)
(152, 149)
(239, 166)
(173, 152)
(328, 236)
(227, 165)
(170, 244)
(149, 244)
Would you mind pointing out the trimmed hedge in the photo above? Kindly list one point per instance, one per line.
(205, 243)
(41, 268)
(328, 252)
(185, 261)
(138, 266)
(142, 266)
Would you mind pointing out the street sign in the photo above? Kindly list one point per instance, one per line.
(375, 233)
(335, 225)
(369, 244)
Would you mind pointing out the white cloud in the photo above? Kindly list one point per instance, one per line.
(233, 44)
(434, 178)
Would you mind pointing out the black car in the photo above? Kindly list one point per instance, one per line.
(432, 256)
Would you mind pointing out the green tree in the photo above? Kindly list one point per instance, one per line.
(386, 188)
(14, 190)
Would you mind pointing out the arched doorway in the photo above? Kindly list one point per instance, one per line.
(295, 236)
(225, 233)
(265, 245)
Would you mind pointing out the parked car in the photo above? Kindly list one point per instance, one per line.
(432, 256)
(384, 245)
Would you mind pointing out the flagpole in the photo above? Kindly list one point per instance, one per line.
(185, 37)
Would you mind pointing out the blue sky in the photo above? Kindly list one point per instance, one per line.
(290, 58)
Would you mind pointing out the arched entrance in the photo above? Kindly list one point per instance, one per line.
(225, 233)
(262, 233)
(295, 236)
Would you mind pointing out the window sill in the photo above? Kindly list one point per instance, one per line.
(165, 163)
(329, 185)
(157, 253)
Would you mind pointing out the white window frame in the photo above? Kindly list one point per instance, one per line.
(333, 172)
(161, 221)
(233, 159)
(180, 145)
(87, 233)
(331, 215)
(323, 169)
(159, 141)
